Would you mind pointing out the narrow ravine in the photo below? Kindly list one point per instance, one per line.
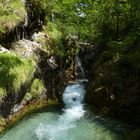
(74, 122)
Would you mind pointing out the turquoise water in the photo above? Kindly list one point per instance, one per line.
(74, 122)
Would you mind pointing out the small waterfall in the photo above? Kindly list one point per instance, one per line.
(73, 111)
(79, 71)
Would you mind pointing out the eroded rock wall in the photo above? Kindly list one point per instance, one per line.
(114, 86)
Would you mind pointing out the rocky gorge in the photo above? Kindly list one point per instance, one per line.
(37, 62)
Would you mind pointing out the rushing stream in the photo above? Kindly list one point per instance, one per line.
(74, 122)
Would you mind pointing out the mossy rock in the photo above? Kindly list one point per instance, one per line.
(37, 89)
(12, 12)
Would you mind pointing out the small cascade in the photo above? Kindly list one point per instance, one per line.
(79, 71)
(59, 130)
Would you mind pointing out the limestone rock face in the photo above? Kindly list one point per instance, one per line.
(25, 48)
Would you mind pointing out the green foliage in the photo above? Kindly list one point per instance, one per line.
(112, 23)
(14, 72)
(97, 21)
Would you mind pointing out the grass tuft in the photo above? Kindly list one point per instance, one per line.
(12, 12)
(14, 72)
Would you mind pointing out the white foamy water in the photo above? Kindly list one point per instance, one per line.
(73, 99)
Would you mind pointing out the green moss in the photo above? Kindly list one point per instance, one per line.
(37, 88)
(11, 14)
(14, 71)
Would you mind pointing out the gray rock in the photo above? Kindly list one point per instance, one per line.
(25, 48)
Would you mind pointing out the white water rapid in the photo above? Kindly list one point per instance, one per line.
(73, 111)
